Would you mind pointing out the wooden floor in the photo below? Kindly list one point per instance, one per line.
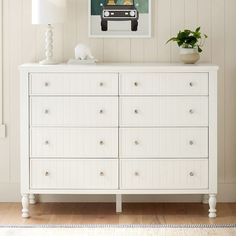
(104, 213)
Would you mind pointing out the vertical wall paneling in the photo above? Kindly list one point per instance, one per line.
(29, 30)
(163, 30)
(191, 11)
(70, 30)
(177, 22)
(218, 57)
(204, 20)
(15, 50)
(230, 94)
(137, 50)
(4, 94)
(150, 45)
(2, 126)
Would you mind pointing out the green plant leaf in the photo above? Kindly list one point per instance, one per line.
(172, 39)
(198, 29)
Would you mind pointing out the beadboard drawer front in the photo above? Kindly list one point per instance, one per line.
(164, 84)
(164, 174)
(74, 111)
(164, 143)
(74, 83)
(163, 111)
(74, 142)
(74, 174)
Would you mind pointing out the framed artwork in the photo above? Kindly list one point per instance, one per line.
(120, 18)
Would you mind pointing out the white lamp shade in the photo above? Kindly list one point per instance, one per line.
(48, 11)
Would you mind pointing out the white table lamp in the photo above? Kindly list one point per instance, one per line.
(48, 12)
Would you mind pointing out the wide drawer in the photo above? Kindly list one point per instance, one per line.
(74, 142)
(74, 83)
(163, 143)
(74, 174)
(164, 84)
(163, 111)
(74, 111)
(164, 174)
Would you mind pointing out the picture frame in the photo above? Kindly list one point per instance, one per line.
(116, 19)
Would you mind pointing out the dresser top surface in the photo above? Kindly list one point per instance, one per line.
(120, 67)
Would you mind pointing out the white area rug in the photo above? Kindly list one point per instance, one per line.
(118, 230)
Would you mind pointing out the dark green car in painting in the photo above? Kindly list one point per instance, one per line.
(119, 10)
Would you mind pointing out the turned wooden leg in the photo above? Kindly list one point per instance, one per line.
(205, 199)
(32, 199)
(212, 205)
(118, 203)
(25, 205)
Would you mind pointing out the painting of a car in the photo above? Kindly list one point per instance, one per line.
(119, 10)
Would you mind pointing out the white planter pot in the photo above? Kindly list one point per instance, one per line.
(189, 55)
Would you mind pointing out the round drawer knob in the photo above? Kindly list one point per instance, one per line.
(191, 84)
(101, 143)
(136, 111)
(191, 111)
(101, 84)
(46, 173)
(136, 84)
(136, 142)
(47, 142)
(191, 142)
(46, 111)
(136, 173)
(101, 111)
(101, 173)
(191, 174)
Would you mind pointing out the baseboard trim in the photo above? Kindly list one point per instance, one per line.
(11, 193)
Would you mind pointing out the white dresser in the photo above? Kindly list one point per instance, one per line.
(118, 129)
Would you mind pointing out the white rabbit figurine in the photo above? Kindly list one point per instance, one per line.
(83, 52)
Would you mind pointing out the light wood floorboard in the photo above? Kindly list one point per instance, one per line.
(104, 213)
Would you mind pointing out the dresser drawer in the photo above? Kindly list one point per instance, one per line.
(74, 174)
(74, 83)
(163, 143)
(164, 84)
(74, 142)
(163, 111)
(74, 111)
(164, 174)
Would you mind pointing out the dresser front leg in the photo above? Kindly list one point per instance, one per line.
(25, 205)
(32, 199)
(212, 205)
(118, 203)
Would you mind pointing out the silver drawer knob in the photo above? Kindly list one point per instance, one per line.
(46, 111)
(46, 173)
(101, 111)
(136, 111)
(191, 111)
(101, 143)
(191, 174)
(101, 84)
(136, 84)
(101, 173)
(46, 84)
(191, 142)
(136, 173)
(191, 84)
(46, 142)
(136, 142)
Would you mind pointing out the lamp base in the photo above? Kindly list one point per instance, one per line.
(48, 62)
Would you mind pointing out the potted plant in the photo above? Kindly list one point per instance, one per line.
(190, 44)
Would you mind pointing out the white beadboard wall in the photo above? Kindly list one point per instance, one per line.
(23, 42)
